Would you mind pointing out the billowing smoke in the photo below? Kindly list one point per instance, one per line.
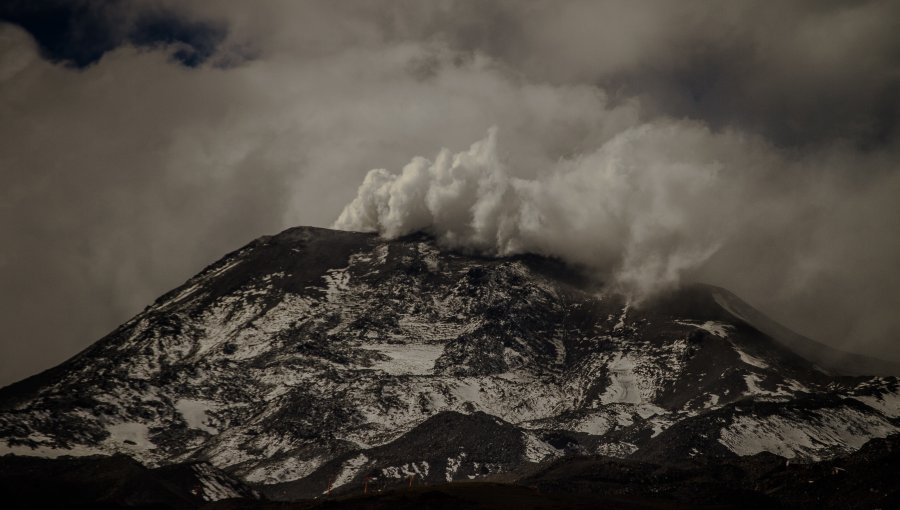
(653, 204)
(649, 204)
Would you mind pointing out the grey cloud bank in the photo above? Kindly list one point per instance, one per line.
(739, 144)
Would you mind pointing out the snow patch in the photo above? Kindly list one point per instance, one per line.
(752, 381)
(337, 282)
(750, 360)
(887, 404)
(537, 450)
(453, 464)
(348, 471)
(620, 449)
(213, 486)
(216, 272)
(291, 468)
(194, 414)
(660, 424)
(623, 387)
(48, 451)
(420, 469)
(594, 424)
(719, 329)
(180, 297)
(406, 359)
(807, 437)
(130, 436)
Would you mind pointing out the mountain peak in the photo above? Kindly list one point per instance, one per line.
(315, 356)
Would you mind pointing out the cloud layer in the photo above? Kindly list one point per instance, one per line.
(752, 147)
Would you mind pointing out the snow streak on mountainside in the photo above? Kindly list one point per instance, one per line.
(317, 358)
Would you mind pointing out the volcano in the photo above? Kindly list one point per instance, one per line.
(318, 363)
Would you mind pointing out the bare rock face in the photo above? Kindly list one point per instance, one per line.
(318, 360)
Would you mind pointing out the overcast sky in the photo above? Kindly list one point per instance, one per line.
(753, 145)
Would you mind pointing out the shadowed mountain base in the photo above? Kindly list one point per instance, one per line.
(864, 479)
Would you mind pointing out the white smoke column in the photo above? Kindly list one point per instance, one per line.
(467, 200)
(653, 202)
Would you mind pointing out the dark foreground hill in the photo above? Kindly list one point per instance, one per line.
(862, 480)
(113, 482)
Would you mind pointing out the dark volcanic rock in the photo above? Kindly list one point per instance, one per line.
(445, 447)
(316, 358)
(92, 482)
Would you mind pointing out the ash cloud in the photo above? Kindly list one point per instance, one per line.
(654, 204)
(649, 204)
(750, 146)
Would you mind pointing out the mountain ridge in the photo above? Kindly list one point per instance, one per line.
(314, 355)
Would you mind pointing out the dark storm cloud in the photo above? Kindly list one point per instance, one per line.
(141, 140)
(80, 32)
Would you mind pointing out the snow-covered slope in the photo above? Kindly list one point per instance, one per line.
(317, 358)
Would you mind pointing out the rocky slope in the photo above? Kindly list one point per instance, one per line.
(314, 360)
